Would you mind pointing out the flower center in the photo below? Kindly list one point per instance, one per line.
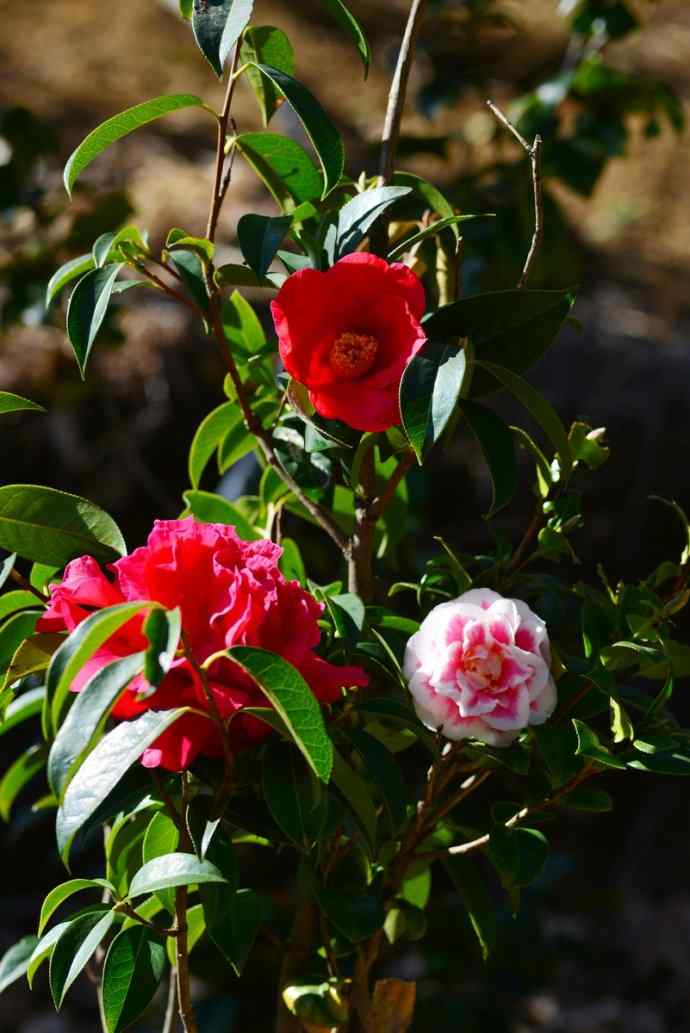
(353, 355)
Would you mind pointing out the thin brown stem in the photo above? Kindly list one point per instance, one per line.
(124, 908)
(184, 994)
(361, 551)
(381, 502)
(223, 175)
(167, 289)
(170, 1021)
(527, 539)
(534, 152)
(27, 586)
(168, 801)
(295, 960)
(398, 90)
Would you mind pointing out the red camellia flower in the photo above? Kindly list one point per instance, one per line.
(230, 592)
(347, 335)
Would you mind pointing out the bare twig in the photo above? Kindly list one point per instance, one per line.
(534, 151)
(124, 908)
(167, 289)
(398, 90)
(361, 551)
(170, 1021)
(27, 586)
(184, 995)
(222, 181)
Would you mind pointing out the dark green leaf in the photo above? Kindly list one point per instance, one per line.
(429, 391)
(292, 793)
(73, 950)
(211, 431)
(287, 690)
(518, 854)
(15, 403)
(585, 798)
(86, 311)
(317, 125)
(217, 25)
(475, 896)
(589, 745)
(52, 527)
(349, 23)
(380, 766)
(497, 444)
(260, 237)
(172, 870)
(66, 273)
(356, 917)
(15, 961)
(103, 769)
(266, 46)
(87, 715)
(163, 629)
(432, 197)
(13, 634)
(132, 973)
(284, 166)
(431, 231)
(214, 509)
(233, 919)
(541, 410)
(43, 950)
(162, 837)
(355, 792)
(18, 775)
(121, 125)
(358, 216)
(63, 892)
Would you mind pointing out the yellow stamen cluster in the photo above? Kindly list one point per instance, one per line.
(353, 355)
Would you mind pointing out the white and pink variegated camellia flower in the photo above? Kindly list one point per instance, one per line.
(479, 668)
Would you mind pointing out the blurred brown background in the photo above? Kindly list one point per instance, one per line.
(604, 943)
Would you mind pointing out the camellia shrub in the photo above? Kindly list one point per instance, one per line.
(200, 702)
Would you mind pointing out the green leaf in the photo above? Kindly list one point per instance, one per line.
(233, 921)
(18, 775)
(163, 629)
(287, 690)
(214, 509)
(283, 165)
(6, 568)
(432, 230)
(162, 837)
(317, 125)
(87, 716)
(15, 403)
(191, 270)
(432, 197)
(518, 854)
(15, 961)
(235, 275)
(217, 25)
(121, 125)
(351, 26)
(380, 766)
(13, 633)
(260, 237)
(292, 794)
(589, 745)
(266, 46)
(132, 973)
(355, 916)
(429, 392)
(585, 798)
(173, 870)
(186, 9)
(513, 327)
(196, 927)
(356, 793)
(29, 704)
(682, 516)
(416, 889)
(65, 274)
(43, 950)
(210, 432)
(358, 216)
(79, 647)
(52, 527)
(496, 443)
(86, 310)
(63, 892)
(475, 896)
(101, 249)
(291, 562)
(102, 770)
(541, 410)
(73, 950)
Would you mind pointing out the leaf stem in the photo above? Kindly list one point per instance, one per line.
(534, 151)
(27, 586)
(223, 175)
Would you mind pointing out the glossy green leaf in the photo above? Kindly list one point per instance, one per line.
(586, 798)
(217, 25)
(71, 270)
(13, 634)
(52, 527)
(28, 705)
(268, 46)
(6, 568)
(32, 656)
(431, 231)
(317, 125)
(162, 837)
(498, 447)
(284, 166)
(512, 328)
(429, 393)
(43, 950)
(214, 509)
(538, 407)
(26, 767)
(260, 237)
(15, 961)
(352, 27)
(235, 275)
(211, 431)
(15, 403)
(63, 892)
(359, 215)
(381, 767)
(432, 197)
(132, 973)
(173, 870)
(121, 125)
(196, 927)
(685, 524)
(104, 768)
(519, 854)
(186, 9)
(163, 629)
(292, 793)
(87, 716)
(233, 920)
(79, 647)
(355, 792)
(475, 896)
(287, 690)
(87, 308)
(589, 745)
(76, 946)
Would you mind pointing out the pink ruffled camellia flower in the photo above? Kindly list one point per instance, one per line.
(478, 668)
(230, 592)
